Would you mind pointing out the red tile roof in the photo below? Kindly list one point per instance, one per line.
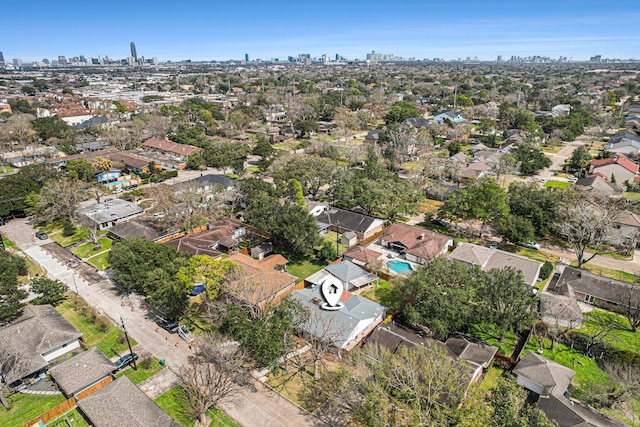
(173, 147)
(619, 160)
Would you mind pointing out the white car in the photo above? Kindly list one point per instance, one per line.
(572, 178)
(532, 245)
(543, 180)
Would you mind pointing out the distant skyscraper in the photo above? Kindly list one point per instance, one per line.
(1, 60)
(133, 52)
(246, 57)
(62, 60)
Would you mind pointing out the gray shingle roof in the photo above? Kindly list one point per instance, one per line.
(544, 372)
(39, 330)
(83, 370)
(122, 403)
(111, 210)
(587, 283)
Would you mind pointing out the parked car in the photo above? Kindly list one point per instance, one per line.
(197, 290)
(543, 180)
(494, 245)
(572, 178)
(185, 333)
(531, 245)
(2, 222)
(160, 180)
(169, 325)
(73, 263)
(126, 360)
(118, 191)
(158, 215)
(41, 235)
(439, 222)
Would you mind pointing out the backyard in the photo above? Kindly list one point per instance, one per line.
(25, 407)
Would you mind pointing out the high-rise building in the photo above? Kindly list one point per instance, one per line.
(62, 60)
(133, 52)
(246, 57)
(17, 62)
(1, 60)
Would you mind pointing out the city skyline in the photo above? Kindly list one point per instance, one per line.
(409, 28)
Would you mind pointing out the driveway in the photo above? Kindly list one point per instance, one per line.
(261, 407)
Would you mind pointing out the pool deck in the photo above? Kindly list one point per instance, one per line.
(389, 255)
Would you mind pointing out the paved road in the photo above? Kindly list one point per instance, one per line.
(261, 407)
(558, 159)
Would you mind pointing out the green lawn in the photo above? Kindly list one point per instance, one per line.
(8, 243)
(25, 407)
(137, 376)
(88, 249)
(557, 184)
(107, 339)
(331, 237)
(623, 338)
(80, 235)
(634, 197)
(100, 261)
(72, 417)
(172, 403)
(386, 295)
(606, 272)
(303, 267)
(489, 334)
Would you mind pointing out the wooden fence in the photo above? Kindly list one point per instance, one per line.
(68, 404)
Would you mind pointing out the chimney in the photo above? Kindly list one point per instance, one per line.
(421, 236)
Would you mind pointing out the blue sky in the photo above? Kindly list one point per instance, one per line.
(214, 29)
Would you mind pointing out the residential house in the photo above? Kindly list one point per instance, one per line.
(625, 143)
(488, 259)
(592, 289)
(346, 326)
(146, 228)
(632, 123)
(618, 169)
(169, 154)
(560, 310)
(626, 229)
(341, 221)
(109, 213)
(122, 403)
(373, 136)
(39, 336)
(415, 243)
(560, 110)
(5, 108)
(599, 186)
(359, 255)
(83, 147)
(221, 237)
(82, 371)
(549, 382)
(261, 281)
(475, 355)
(542, 376)
(350, 275)
(418, 122)
(451, 115)
(93, 121)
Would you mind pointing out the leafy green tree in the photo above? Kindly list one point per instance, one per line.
(206, 270)
(484, 200)
(580, 161)
(295, 229)
(440, 296)
(531, 159)
(11, 266)
(401, 111)
(15, 189)
(538, 205)
(53, 127)
(517, 229)
(306, 127)
(506, 300)
(312, 171)
(49, 291)
(19, 105)
(80, 169)
(454, 148)
(327, 252)
(28, 90)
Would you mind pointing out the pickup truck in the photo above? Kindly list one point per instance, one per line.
(185, 333)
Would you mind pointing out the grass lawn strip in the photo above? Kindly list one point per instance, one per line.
(88, 249)
(137, 376)
(172, 403)
(25, 407)
(107, 340)
(72, 417)
(100, 261)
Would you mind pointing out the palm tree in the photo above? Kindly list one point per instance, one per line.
(101, 164)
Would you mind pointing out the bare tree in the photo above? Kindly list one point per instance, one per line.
(588, 223)
(630, 306)
(215, 373)
(91, 225)
(12, 368)
(59, 199)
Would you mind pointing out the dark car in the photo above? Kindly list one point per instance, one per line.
(196, 290)
(126, 360)
(41, 235)
(439, 222)
(2, 222)
(160, 180)
(169, 325)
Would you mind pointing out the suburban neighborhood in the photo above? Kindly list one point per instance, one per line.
(357, 244)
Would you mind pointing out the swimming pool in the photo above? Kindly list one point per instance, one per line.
(401, 267)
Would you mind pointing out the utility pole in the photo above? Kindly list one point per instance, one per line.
(337, 237)
(128, 343)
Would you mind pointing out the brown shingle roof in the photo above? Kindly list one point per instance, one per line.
(81, 371)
